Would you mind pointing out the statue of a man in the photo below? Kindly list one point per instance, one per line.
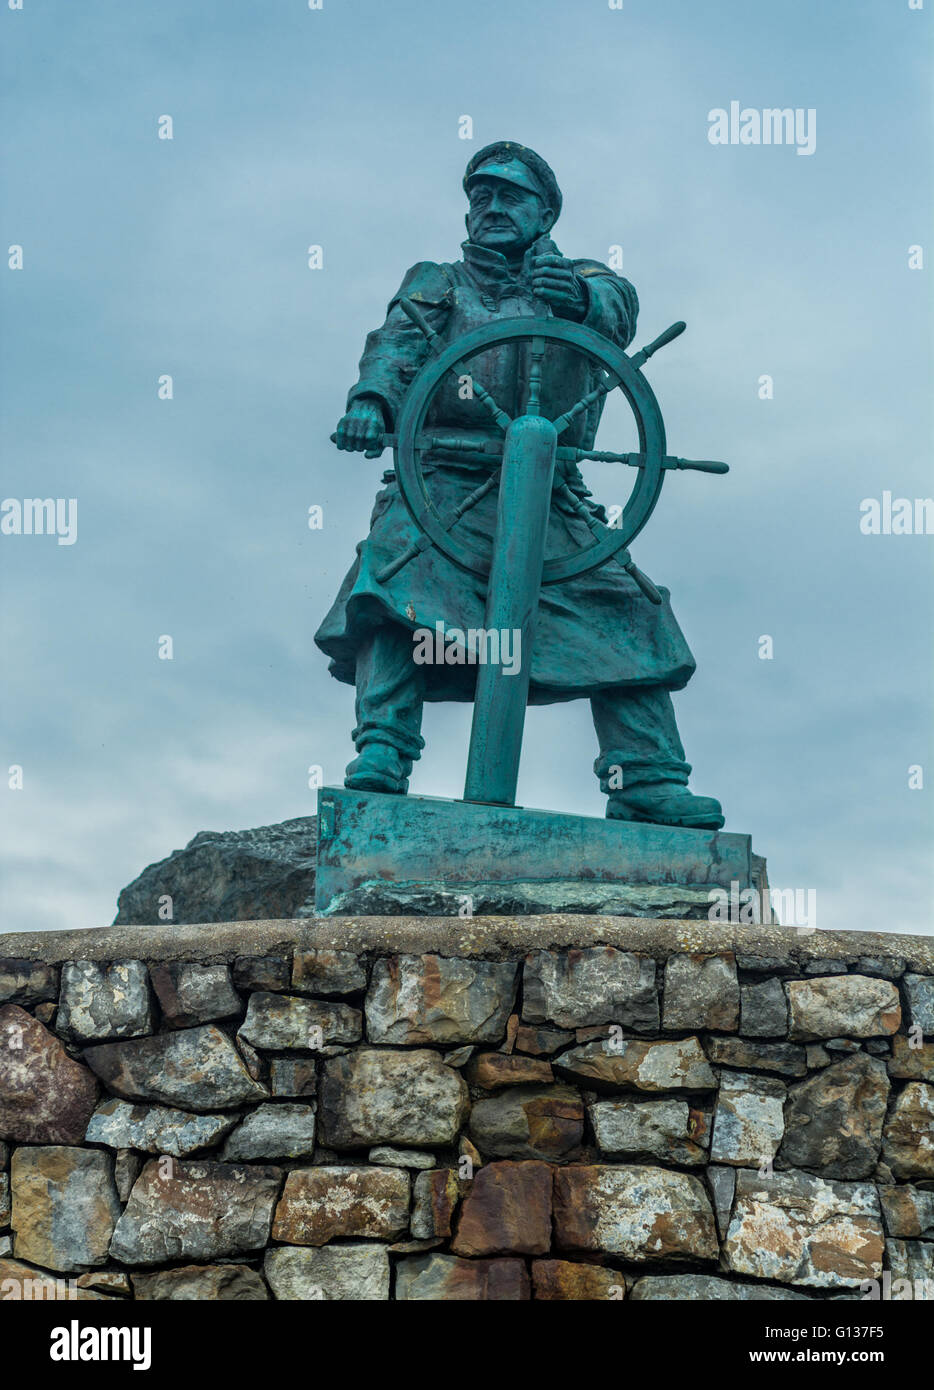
(596, 636)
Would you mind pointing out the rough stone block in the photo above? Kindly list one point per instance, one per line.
(639, 1213)
(701, 991)
(327, 972)
(833, 1121)
(908, 1063)
(191, 994)
(27, 982)
(435, 1197)
(597, 985)
(104, 1001)
(272, 1131)
(293, 1076)
(183, 1210)
(667, 1129)
(707, 1288)
(319, 1205)
(787, 1059)
(448, 1279)
(376, 1096)
(155, 1128)
(645, 1066)
(763, 1009)
(330, 1273)
(566, 1281)
(850, 1006)
(45, 1096)
(908, 1212)
(201, 1283)
(748, 1122)
(506, 1211)
(439, 999)
(65, 1206)
(908, 1136)
(266, 973)
(194, 1069)
(920, 991)
(282, 1021)
(545, 1122)
(490, 1070)
(799, 1229)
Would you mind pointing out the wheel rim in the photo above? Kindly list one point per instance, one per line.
(636, 389)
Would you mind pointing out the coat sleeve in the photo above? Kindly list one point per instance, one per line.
(394, 352)
(613, 303)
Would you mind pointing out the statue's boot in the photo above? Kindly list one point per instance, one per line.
(641, 766)
(390, 692)
(378, 768)
(666, 804)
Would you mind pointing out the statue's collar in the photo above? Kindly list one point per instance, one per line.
(492, 265)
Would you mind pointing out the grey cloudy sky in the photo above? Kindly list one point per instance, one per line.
(339, 127)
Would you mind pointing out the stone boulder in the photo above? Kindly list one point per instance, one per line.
(228, 876)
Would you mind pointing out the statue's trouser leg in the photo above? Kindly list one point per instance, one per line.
(641, 765)
(638, 737)
(390, 695)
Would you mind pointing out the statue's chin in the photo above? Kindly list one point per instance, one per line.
(505, 245)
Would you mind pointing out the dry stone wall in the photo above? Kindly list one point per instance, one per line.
(567, 1108)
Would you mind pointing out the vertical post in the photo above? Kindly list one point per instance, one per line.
(525, 487)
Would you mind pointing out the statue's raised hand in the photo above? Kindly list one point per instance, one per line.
(361, 429)
(555, 281)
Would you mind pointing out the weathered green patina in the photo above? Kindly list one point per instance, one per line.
(488, 379)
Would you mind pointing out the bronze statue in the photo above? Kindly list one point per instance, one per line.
(605, 633)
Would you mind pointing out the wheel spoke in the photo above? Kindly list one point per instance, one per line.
(533, 404)
(413, 312)
(607, 385)
(484, 397)
(447, 522)
(600, 531)
(458, 444)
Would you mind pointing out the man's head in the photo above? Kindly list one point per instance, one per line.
(514, 198)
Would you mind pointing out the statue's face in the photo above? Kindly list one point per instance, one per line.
(505, 217)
